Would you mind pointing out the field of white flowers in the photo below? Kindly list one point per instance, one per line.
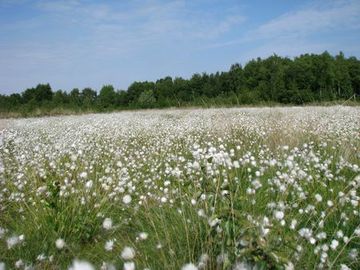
(247, 188)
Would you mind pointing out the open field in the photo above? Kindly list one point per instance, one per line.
(246, 188)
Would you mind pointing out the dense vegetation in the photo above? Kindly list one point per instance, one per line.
(304, 79)
(201, 189)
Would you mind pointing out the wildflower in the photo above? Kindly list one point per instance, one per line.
(109, 245)
(126, 199)
(107, 266)
(81, 265)
(129, 266)
(334, 244)
(12, 241)
(293, 224)
(128, 253)
(19, 263)
(143, 235)
(189, 266)
(279, 215)
(243, 266)
(204, 258)
(353, 254)
(289, 266)
(60, 243)
(107, 223)
(318, 197)
(89, 184)
(344, 267)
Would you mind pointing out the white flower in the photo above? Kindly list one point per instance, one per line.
(128, 253)
(2, 266)
(83, 174)
(109, 245)
(243, 266)
(293, 224)
(318, 197)
(129, 266)
(334, 244)
(189, 266)
(60, 243)
(126, 199)
(305, 232)
(107, 223)
(289, 266)
(19, 263)
(143, 235)
(12, 241)
(279, 215)
(89, 184)
(353, 253)
(339, 234)
(107, 266)
(41, 257)
(213, 222)
(81, 265)
(344, 267)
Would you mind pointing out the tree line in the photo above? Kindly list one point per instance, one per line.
(304, 79)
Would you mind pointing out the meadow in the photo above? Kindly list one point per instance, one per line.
(240, 188)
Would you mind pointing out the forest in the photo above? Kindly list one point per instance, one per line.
(308, 78)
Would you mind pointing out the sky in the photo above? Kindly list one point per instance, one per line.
(86, 43)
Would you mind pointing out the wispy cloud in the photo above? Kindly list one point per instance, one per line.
(293, 28)
(314, 19)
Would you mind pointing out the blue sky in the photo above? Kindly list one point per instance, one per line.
(87, 43)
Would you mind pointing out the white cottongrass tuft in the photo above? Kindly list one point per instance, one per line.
(13, 241)
(344, 267)
(189, 266)
(279, 215)
(129, 266)
(334, 244)
(107, 266)
(243, 266)
(19, 263)
(89, 184)
(128, 253)
(126, 199)
(81, 265)
(143, 235)
(107, 223)
(60, 243)
(109, 245)
(318, 197)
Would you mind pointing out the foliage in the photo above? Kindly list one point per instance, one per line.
(305, 79)
(248, 188)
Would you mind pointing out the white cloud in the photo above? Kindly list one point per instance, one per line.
(317, 18)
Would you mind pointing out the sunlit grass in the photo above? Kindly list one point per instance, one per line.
(219, 189)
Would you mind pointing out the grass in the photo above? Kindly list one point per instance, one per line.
(231, 213)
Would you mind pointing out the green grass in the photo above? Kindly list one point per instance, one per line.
(183, 234)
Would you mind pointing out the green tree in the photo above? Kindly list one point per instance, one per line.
(147, 99)
(107, 97)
